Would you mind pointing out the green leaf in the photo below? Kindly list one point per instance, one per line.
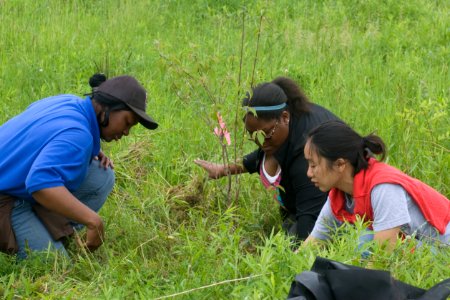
(249, 109)
(259, 136)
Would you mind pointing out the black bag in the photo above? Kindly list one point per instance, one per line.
(332, 280)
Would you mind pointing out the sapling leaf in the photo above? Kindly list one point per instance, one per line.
(260, 136)
(255, 136)
(249, 109)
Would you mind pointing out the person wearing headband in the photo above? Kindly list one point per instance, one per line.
(281, 112)
(54, 178)
(360, 187)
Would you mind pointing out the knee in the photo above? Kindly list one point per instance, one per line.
(105, 181)
(97, 184)
(102, 179)
(109, 179)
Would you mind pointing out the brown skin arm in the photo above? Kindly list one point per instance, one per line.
(310, 240)
(61, 201)
(388, 237)
(216, 171)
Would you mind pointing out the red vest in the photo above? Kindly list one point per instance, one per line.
(434, 206)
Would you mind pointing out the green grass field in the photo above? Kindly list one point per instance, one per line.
(381, 66)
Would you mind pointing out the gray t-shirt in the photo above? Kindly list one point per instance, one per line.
(392, 207)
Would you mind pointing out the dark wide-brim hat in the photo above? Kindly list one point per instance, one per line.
(128, 90)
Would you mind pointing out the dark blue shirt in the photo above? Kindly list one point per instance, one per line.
(50, 144)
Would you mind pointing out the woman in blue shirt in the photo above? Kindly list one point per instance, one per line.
(52, 168)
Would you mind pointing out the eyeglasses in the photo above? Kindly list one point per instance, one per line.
(270, 135)
(267, 136)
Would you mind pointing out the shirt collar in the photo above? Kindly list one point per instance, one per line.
(95, 130)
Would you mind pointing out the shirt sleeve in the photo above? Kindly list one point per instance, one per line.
(62, 162)
(309, 200)
(251, 161)
(390, 206)
(325, 223)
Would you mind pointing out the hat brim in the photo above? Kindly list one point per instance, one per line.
(144, 119)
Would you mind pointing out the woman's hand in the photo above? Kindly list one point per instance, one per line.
(214, 170)
(105, 162)
(95, 234)
(387, 238)
(310, 240)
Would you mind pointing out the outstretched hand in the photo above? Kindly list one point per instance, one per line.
(214, 170)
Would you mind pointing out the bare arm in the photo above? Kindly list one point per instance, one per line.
(388, 237)
(310, 241)
(216, 171)
(61, 201)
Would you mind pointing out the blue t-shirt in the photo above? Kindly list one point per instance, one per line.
(50, 144)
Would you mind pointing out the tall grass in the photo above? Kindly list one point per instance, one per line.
(380, 65)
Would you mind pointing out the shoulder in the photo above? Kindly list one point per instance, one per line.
(315, 117)
(387, 192)
(387, 188)
(56, 101)
(304, 123)
(57, 108)
(316, 109)
(78, 135)
(379, 173)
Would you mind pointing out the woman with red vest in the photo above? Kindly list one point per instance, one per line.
(341, 162)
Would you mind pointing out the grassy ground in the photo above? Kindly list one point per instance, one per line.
(380, 65)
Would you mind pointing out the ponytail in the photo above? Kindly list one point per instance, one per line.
(96, 80)
(373, 144)
(297, 101)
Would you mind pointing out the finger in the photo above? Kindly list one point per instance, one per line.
(106, 163)
(94, 237)
(199, 161)
(79, 242)
(205, 164)
(93, 245)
